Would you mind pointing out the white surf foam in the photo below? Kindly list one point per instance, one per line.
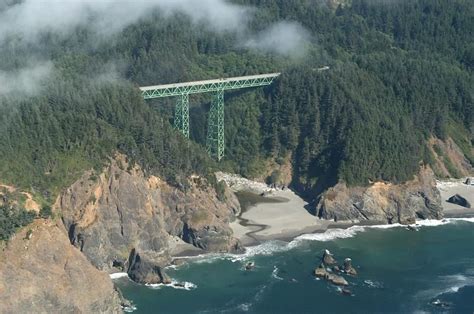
(275, 246)
(118, 275)
(470, 219)
(129, 309)
(446, 284)
(397, 225)
(331, 234)
(373, 284)
(275, 273)
(432, 222)
(174, 284)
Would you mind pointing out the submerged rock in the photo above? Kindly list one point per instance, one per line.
(346, 291)
(459, 200)
(336, 280)
(348, 268)
(250, 266)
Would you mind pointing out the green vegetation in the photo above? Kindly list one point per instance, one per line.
(11, 219)
(45, 212)
(399, 72)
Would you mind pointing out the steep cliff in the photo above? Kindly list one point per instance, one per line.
(41, 271)
(121, 218)
(384, 202)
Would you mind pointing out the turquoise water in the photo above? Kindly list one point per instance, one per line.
(400, 271)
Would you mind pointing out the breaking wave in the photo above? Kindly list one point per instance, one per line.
(118, 275)
(276, 246)
(275, 273)
(446, 284)
(174, 284)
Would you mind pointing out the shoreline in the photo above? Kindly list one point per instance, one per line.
(281, 215)
(283, 221)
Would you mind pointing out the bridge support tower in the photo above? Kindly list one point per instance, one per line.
(215, 144)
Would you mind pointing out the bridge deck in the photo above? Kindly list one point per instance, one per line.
(209, 82)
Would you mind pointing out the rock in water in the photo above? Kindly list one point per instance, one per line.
(345, 291)
(142, 270)
(348, 268)
(250, 266)
(459, 200)
(328, 258)
(336, 280)
(320, 271)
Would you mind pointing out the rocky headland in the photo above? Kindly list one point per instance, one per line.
(122, 220)
(41, 272)
(383, 202)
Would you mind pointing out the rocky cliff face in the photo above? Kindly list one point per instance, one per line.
(384, 202)
(124, 219)
(41, 271)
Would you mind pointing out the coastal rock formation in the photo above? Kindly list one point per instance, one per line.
(384, 202)
(121, 211)
(336, 280)
(328, 258)
(144, 271)
(321, 272)
(45, 273)
(348, 268)
(238, 183)
(459, 200)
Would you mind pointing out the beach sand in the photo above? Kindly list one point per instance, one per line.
(288, 218)
(450, 188)
(282, 215)
(284, 219)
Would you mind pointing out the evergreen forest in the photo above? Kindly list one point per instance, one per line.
(358, 102)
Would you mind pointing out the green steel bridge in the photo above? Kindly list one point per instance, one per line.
(215, 133)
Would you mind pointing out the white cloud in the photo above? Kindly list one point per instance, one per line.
(283, 38)
(29, 18)
(26, 80)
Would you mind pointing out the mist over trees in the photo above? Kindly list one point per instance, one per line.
(399, 72)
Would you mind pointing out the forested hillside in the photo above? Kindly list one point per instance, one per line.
(367, 86)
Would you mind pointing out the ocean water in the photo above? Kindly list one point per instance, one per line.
(400, 271)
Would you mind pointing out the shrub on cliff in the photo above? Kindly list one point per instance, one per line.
(11, 219)
(45, 212)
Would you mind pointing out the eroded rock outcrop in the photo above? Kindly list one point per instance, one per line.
(459, 200)
(45, 273)
(121, 210)
(328, 258)
(384, 202)
(348, 268)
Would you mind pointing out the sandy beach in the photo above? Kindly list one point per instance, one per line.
(284, 219)
(289, 218)
(282, 215)
(450, 188)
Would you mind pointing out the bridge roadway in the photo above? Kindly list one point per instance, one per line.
(196, 87)
(215, 130)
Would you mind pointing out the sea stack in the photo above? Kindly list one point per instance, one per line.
(328, 258)
(348, 268)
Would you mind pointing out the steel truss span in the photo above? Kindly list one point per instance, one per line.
(215, 133)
